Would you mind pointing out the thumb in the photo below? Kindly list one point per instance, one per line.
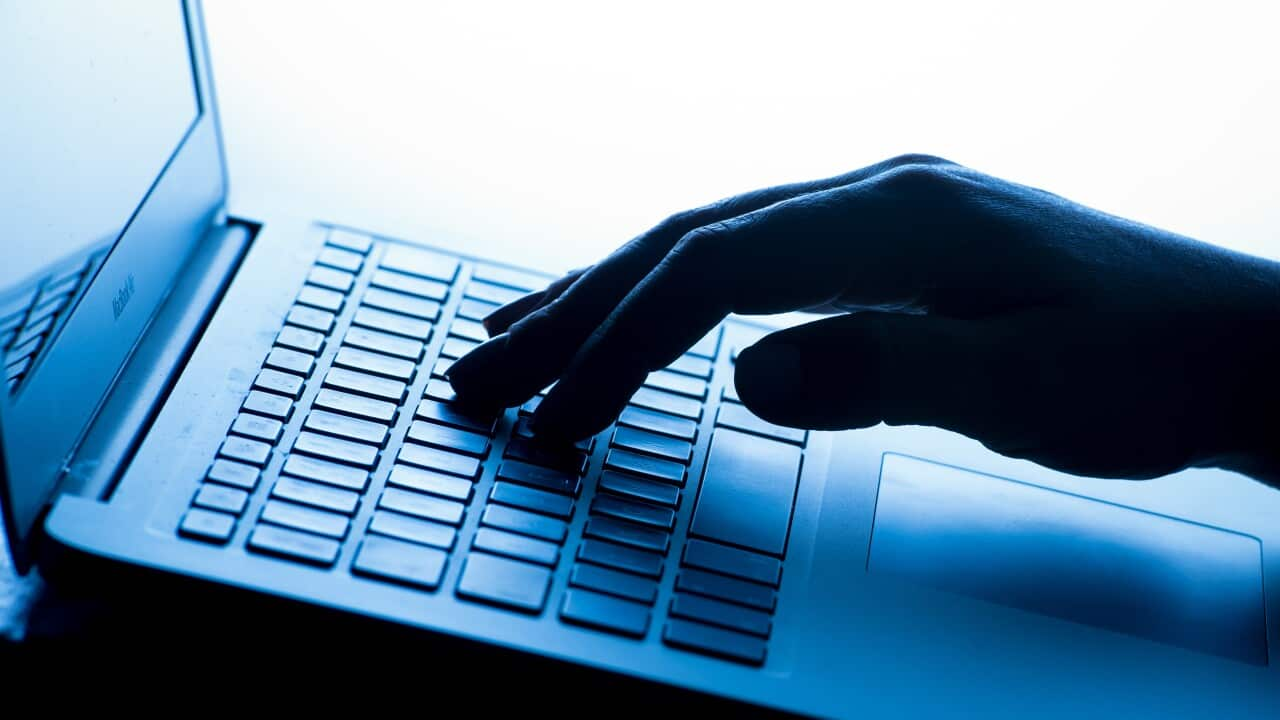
(860, 369)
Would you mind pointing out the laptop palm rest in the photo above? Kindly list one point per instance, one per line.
(1070, 557)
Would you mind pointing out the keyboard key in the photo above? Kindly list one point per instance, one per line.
(279, 382)
(714, 641)
(365, 456)
(620, 558)
(294, 545)
(614, 582)
(602, 612)
(489, 292)
(326, 472)
(292, 361)
(522, 429)
(639, 513)
(440, 368)
(693, 366)
(393, 323)
(332, 279)
(677, 383)
(348, 427)
(300, 339)
(449, 438)
(221, 497)
(423, 506)
(340, 259)
(33, 332)
(402, 562)
(311, 318)
(359, 405)
(325, 497)
(229, 472)
(726, 588)
(25, 352)
(518, 279)
(323, 298)
(659, 422)
(714, 612)
(472, 309)
(245, 450)
(545, 478)
(256, 426)
(531, 405)
(276, 406)
(349, 240)
(299, 517)
(452, 416)
(516, 546)
(456, 347)
(740, 418)
(375, 363)
(525, 523)
(732, 561)
(207, 525)
(652, 444)
(564, 459)
(420, 262)
(531, 499)
(428, 310)
(640, 489)
(399, 282)
(708, 346)
(365, 384)
(747, 491)
(431, 482)
(509, 583)
(43, 315)
(440, 390)
(434, 459)
(468, 329)
(656, 468)
(667, 403)
(412, 529)
(382, 342)
(625, 533)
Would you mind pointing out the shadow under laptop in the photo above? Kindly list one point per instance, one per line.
(125, 620)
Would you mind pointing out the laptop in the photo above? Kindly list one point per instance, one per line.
(260, 402)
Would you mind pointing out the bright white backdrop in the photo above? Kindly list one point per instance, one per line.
(547, 133)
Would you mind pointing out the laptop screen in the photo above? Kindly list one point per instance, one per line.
(97, 97)
(111, 175)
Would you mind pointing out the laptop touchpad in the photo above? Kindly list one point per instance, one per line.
(1070, 557)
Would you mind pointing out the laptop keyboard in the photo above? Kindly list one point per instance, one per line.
(351, 454)
(27, 319)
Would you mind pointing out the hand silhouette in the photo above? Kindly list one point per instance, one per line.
(1041, 328)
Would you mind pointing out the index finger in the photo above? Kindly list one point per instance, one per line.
(727, 267)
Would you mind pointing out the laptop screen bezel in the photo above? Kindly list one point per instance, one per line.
(44, 422)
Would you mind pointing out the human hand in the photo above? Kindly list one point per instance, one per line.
(1041, 328)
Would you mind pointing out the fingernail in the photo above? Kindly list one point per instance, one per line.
(474, 363)
(497, 322)
(768, 373)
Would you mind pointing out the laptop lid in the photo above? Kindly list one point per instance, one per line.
(113, 172)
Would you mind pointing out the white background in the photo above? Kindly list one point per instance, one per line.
(547, 133)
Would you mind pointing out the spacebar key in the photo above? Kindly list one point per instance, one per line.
(747, 492)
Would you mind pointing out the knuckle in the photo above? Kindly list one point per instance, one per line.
(916, 159)
(916, 180)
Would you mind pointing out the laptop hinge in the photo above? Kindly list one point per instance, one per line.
(156, 361)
